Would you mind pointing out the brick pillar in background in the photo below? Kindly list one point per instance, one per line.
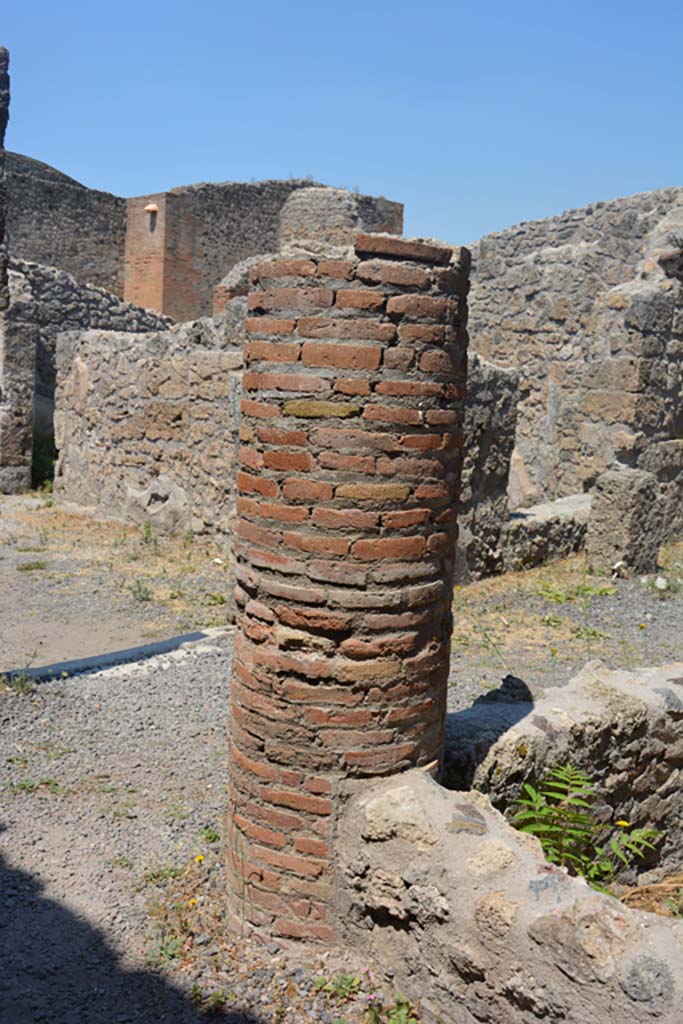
(351, 444)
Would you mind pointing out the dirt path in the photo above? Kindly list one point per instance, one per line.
(74, 587)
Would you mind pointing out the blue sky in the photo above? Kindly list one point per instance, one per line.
(476, 116)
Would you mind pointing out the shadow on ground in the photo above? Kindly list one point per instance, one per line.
(57, 969)
(471, 733)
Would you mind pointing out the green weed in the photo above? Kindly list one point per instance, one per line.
(141, 592)
(31, 566)
(560, 814)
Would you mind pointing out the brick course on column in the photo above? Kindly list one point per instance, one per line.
(351, 448)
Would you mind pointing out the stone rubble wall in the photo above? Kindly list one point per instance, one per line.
(552, 529)
(351, 432)
(43, 302)
(594, 357)
(624, 728)
(146, 425)
(55, 221)
(13, 384)
(475, 925)
(490, 417)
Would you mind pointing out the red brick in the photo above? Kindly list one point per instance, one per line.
(291, 298)
(339, 739)
(274, 560)
(402, 248)
(418, 388)
(398, 358)
(288, 438)
(348, 357)
(339, 269)
(298, 382)
(290, 861)
(351, 440)
(257, 485)
(272, 352)
(436, 360)
(336, 572)
(289, 461)
(422, 442)
(351, 386)
(440, 543)
(256, 534)
(401, 520)
(382, 272)
(309, 618)
(260, 833)
(328, 716)
(281, 819)
(385, 669)
(288, 929)
(306, 490)
(373, 492)
(321, 694)
(369, 330)
(442, 417)
(315, 847)
(290, 778)
(420, 466)
(261, 768)
(265, 510)
(318, 785)
(292, 592)
(250, 457)
(316, 543)
(255, 630)
(260, 610)
(345, 518)
(382, 757)
(392, 643)
(417, 306)
(397, 715)
(355, 298)
(402, 620)
(252, 700)
(268, 325)
(432, 491)
(298, 801)
(389, 547)
(354, 463)
(282, 268)
(434, 334)
(392, 414)
(261, 410)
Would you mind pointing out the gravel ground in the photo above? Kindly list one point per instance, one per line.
(114, 783)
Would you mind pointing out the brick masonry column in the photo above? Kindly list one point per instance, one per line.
(351, 445)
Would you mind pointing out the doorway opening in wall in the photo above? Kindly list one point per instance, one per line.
(44, 459)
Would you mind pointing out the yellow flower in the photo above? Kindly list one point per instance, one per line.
(191, 902)
(622, 823)
(199, 858)
(642, 625)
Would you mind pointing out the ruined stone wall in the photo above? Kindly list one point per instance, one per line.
(43, 302)
(15, 388)
(538, 303)
(176, 257)
(146, 425)
(490, 417)
(351, 453)
(54, 220)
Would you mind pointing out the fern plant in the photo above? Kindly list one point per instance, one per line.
(560, 814)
